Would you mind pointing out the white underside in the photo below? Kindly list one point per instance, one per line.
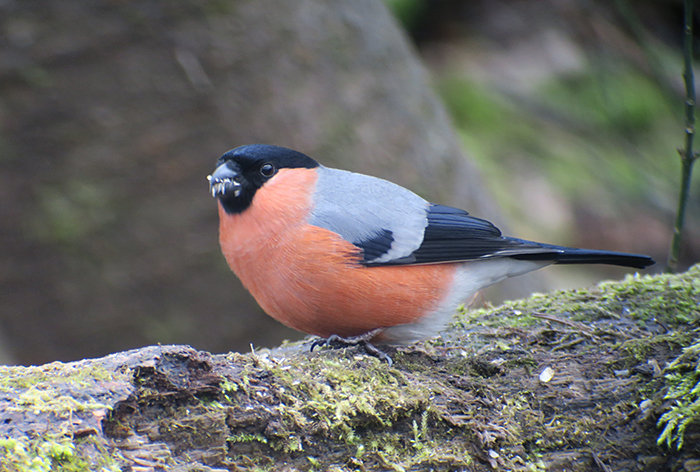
(469, 279)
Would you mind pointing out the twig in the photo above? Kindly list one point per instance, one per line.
(600, 463)
(570, 344)
(556, 319)
(687, 155)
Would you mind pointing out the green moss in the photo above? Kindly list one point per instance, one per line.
(640, 349)
(633, 325)
(667, 298)
(51, 388)
(246, 438)
(60, 397)
(670, 299)
(341, 396)
(46, 454)
(379, 416)
(20, 377)
(683, 379)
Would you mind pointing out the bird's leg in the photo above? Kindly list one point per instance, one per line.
(334, 341)
(338, 341)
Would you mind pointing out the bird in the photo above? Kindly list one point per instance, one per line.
(340, 254)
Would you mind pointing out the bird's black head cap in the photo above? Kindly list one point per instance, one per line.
(240, 172)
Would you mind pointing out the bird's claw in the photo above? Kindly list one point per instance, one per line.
(336, 342)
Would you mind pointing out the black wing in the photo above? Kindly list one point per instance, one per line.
(452, 235)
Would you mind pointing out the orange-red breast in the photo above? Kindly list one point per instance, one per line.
(331, 252)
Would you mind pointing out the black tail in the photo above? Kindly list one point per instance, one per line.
(569, 255)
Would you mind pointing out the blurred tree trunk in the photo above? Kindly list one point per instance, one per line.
(113, 113)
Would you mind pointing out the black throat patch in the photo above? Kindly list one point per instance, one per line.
(252, 166)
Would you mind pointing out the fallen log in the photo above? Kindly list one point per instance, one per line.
(599, 379)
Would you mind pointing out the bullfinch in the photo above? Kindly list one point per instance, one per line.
(336, 253)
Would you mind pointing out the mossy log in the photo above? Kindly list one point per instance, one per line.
(600, 379)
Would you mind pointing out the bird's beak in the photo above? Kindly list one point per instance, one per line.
(224, 180)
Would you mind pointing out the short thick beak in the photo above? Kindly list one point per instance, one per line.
(224, 180)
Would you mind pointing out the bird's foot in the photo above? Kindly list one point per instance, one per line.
(336, 342)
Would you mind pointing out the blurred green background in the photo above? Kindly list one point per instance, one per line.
(557, 120)
(572, 110)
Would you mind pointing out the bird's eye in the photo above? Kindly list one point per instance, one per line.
(267, 169)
